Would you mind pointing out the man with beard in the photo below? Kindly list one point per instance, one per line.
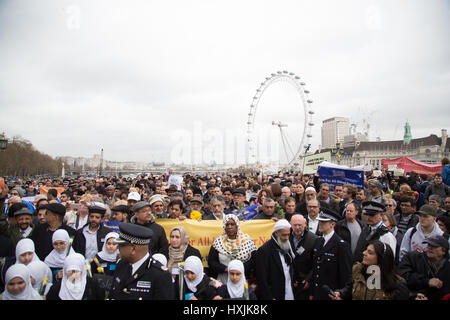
(89, 239)
(23, 226)
(332, 261)
(274, 265)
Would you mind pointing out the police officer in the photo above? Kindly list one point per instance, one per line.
(137, 275)
(332, 258)
(373, 212)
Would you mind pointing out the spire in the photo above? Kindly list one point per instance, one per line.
(407, 137)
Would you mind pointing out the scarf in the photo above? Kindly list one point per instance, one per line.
(54, 258)
(73, 290)
(236, 290)
(24, 246)
(176, 255)
(39, 270)
(287, 254)
(240, 248)
(105, 254)
(20, 271)
(193, 264)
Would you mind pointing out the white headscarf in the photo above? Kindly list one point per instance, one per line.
(193, 264)
(104, 254)
(21, 271)
(24, 246)
(160, 258)
(236, 290)
(73, 290)
(56, 259)
(39, 270)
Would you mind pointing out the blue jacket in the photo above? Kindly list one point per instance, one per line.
(446, 174)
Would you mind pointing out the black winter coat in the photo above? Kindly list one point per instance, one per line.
(79, 241)
(303, 262)
(269, 272)
(91, 292)
(42, 238)
(342, 230)
(417, 270)
(159, 243)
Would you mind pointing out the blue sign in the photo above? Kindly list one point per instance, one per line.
(113, 225)
(334, 175)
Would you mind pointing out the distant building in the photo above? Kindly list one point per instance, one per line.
(429, 149)
(354, 140)
(334, 130)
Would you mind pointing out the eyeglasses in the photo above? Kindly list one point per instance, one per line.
(389, 205)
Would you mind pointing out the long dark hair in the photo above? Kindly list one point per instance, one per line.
(385, 258)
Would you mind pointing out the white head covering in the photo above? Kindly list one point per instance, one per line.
(56, 259)
(193, 264)
(236, 290)
(310, 188)
(23, 246)
(21, 271)
(70, 290)
(104, 254)
(281, 224)
(39, 270)
(160, 258)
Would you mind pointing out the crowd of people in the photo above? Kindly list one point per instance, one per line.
(99, 238)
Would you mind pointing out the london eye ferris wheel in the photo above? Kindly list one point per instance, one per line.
(294, 148)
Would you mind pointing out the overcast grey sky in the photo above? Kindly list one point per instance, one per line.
(78, 76)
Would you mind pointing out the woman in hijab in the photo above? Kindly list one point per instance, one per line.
(236, 287)
(40, 271)
(25, 252)
(197, 285)
(55, 259)
(233, 244)
(107, 258)
(75, 284)
(179, 249)
(18, 284)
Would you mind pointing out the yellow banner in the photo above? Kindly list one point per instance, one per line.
(203, 233)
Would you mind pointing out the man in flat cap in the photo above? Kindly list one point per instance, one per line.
(428, 273)
(42, 234)
(239, 198)
(274, 265)
(332, 259)
(373, 212)
(120, 213)
(143, 216)
(89, 240)
(138, 276)
(23, 227)
(376, 191)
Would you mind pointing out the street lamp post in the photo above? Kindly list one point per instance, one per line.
(3, 142)
(337, 152)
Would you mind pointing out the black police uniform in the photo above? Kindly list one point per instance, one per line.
(332, 263)
(151, 281)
